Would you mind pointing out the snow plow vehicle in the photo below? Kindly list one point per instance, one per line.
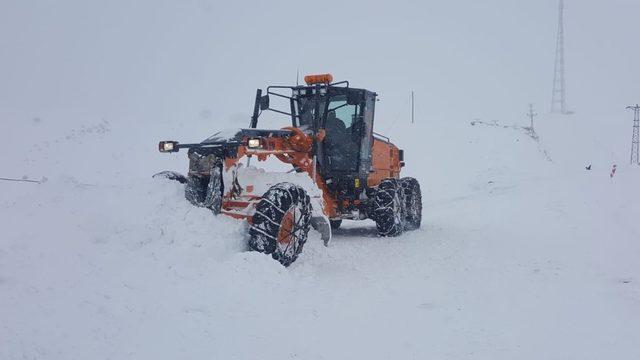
(340, 169)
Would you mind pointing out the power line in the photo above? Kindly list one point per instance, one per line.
(23, 180)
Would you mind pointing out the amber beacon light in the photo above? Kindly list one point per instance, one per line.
(318, 79)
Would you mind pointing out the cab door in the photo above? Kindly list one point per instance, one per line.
(368, 112)
(342, 143)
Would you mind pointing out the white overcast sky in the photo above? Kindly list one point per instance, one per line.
(126, 60)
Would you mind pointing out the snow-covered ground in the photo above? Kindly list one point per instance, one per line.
(519, 257)
(523, 253)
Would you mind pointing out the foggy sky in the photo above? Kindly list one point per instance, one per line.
(156, 63)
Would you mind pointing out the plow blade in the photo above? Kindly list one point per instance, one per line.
(321, 224)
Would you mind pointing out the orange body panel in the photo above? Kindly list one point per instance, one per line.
(385, 160)
(294, 150)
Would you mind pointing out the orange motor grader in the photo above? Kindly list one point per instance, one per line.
(341, 169)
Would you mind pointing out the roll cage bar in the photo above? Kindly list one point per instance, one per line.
(262, 102)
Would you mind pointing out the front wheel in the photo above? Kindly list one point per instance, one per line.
(280, 225)
(206, 191)
(195, 190)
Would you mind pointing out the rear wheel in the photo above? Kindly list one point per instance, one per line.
(388, 208)
(281, 223)
(412, 203)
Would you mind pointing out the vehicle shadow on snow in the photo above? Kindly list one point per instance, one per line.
(361, 229)
(355, 232)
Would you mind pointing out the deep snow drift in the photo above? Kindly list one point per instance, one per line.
(518, 257)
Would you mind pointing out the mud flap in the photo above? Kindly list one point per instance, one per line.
(171, 175)
(321, 224)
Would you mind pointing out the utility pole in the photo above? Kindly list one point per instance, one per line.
(412, 107)
(531, 115)
(635, 138)
(558, 99)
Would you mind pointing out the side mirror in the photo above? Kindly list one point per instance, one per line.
(264, 102)
(354, 97)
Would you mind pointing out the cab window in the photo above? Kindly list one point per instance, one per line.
(343, 112)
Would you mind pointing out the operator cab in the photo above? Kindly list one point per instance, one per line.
(346, 115)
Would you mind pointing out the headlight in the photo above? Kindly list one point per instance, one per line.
(168, 146)
(254, 143)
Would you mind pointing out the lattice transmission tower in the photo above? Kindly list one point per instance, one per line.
(635, 139)
(559, 97)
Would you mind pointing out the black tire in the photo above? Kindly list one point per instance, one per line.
(412, 203)
(335, 224)
(281, 223)
(215, 189)
(388, 208)
(206, 191)
(195, 190)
